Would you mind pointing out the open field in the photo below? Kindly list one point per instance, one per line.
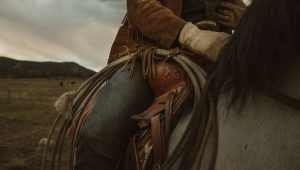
(26, 114)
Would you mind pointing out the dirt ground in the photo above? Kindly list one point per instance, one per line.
(26, 114)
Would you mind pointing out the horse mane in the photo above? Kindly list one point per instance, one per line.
(257, 54)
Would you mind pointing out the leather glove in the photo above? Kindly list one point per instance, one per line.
(203, 42)
(230, 13)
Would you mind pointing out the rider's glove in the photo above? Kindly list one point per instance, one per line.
(203, 42)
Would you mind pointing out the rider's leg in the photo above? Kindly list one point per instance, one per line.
(105, 134)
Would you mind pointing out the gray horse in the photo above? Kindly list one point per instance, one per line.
(256, 88)
(250, 111)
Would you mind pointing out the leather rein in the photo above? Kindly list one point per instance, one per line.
(282, 98)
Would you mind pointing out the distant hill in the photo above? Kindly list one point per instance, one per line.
(10, 68)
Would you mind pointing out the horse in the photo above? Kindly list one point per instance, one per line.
(264, 134)
(248, 114)
(255, 94)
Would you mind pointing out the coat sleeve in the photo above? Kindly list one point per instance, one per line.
(154, 21)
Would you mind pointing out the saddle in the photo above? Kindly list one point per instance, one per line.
(148, 148)
(172, 88)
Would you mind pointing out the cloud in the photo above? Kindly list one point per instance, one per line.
(60, 30)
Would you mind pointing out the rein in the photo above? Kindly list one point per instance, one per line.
(283, 98)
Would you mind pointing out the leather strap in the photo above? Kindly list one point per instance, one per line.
(283, 98)
(157, 140)
(132, 162)
(167, 117)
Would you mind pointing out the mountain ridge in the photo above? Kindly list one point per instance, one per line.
(12, 68)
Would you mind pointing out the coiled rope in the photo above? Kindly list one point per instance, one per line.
(74, 110)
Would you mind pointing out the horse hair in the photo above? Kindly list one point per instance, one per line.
(255, 57)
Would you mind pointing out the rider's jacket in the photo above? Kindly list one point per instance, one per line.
(154, 22)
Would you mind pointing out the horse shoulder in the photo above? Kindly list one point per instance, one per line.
(265, 134)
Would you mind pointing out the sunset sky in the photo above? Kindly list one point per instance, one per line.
(60, 30)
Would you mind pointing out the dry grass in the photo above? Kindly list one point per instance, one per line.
(26, 114)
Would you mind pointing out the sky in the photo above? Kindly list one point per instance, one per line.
(60, 30)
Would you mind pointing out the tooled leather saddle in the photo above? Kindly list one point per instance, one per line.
(148, 148)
